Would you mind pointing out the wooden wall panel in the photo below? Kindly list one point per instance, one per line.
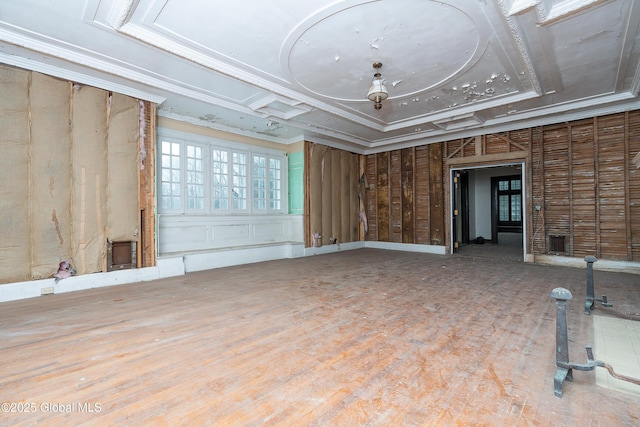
(371, 189)
(584, 177)
(496, 145)
(382, 196)
(406, 202)
(436, 195)
(395, 194)
(537, 236)
(583, 184)
(147, 247)
(470, 148)
(611, 186)
(634, 184)
(453, 148)
(407, 184)
(421, 195)
(556, 184)
(522, 136)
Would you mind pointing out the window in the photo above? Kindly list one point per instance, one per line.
(267, 178)
(170, 182)
(509, 202)
(229, 180)
(239, 190)
(260, 182)
(275, 178)
(204, 177)
(195, 178)
(220, 180)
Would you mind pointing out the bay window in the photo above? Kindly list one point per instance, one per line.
(210, 176)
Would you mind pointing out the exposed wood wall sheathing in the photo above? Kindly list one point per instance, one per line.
(147, 252)
(588, 187)
(405, 201)
(582, 181)
(69, 174)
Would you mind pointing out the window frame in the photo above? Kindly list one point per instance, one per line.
(208, 145)
(205, 165)
(510, 192)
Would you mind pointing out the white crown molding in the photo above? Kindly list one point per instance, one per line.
(473, 107)
(31, 42)
(222, 128)
(575, 109)
(521, 6)
(75, 77)
(565, 9)
(120, 12)
(516, 35)
(184, 51)
(342, 145)
(586, 108)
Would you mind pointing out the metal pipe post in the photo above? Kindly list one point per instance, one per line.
(563, 371)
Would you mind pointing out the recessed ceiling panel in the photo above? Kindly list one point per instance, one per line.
(244, 34)
(588, 51)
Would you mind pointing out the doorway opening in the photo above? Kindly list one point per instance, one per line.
(488, 218)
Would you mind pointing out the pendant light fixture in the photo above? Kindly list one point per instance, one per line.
(378, 91)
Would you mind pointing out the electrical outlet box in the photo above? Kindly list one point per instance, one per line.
(46, 291)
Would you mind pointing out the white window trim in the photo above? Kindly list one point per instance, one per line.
(208, 144)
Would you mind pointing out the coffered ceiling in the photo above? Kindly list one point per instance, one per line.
(288, 70)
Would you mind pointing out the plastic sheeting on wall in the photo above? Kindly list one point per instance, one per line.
(69, 169)
(50, 184)
(14, 175)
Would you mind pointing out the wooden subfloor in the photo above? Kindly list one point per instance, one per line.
(366, 337)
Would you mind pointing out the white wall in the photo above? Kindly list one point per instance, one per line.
(473, 233)
(189, 233)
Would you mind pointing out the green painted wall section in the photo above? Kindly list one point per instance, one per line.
(296, 183)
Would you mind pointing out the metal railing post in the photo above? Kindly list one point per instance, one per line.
(564, 368)
(563, 371)
(588, 303)
(590, 299)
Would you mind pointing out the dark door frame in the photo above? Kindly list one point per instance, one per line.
(464, 209)
(494, 210)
